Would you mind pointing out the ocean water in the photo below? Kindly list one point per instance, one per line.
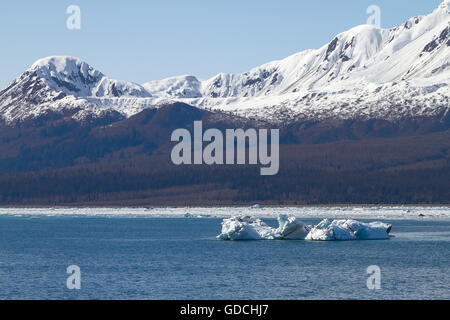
(180, 258)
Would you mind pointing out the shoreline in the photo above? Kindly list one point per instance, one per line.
(316, 212)
(249, 205)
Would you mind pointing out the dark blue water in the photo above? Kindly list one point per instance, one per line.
(146, 258)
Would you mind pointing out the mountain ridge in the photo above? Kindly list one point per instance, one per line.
(365, 72)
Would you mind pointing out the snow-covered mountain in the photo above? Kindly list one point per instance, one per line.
(58, 83)
(365, 72)
(176, 87)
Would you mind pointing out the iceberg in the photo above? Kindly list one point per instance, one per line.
(291, 229)
(332, 230)
(245, 228)
(249, 228)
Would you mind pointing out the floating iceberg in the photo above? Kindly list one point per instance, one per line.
(245, 228)
(330, 230)
(249, 228)
(291, 229)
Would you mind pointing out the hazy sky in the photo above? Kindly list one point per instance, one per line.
(147, 40)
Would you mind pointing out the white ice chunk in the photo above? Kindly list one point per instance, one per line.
(248, 228)
(330, 230)
(290, 228)
(244, 228)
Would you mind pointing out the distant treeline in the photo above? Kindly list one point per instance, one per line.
(136, 184)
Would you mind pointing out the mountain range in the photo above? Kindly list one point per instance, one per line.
(365, 72)
(363, 119)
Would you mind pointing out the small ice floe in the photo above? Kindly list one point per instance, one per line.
(255, 206)
(244, 228)
(291, 229)
(199, 216)
(249, 228)
(330, 230)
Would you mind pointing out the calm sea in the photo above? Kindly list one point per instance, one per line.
(179, 258)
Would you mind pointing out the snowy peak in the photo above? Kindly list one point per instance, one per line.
(176, 87)
(75, 77)
(69, 74)
(59, 83)
(355, 55)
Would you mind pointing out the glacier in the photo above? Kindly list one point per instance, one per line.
(250, 228)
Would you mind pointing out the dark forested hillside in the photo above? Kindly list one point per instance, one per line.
(114, 161)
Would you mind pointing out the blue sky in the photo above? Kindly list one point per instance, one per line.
(147, 40)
